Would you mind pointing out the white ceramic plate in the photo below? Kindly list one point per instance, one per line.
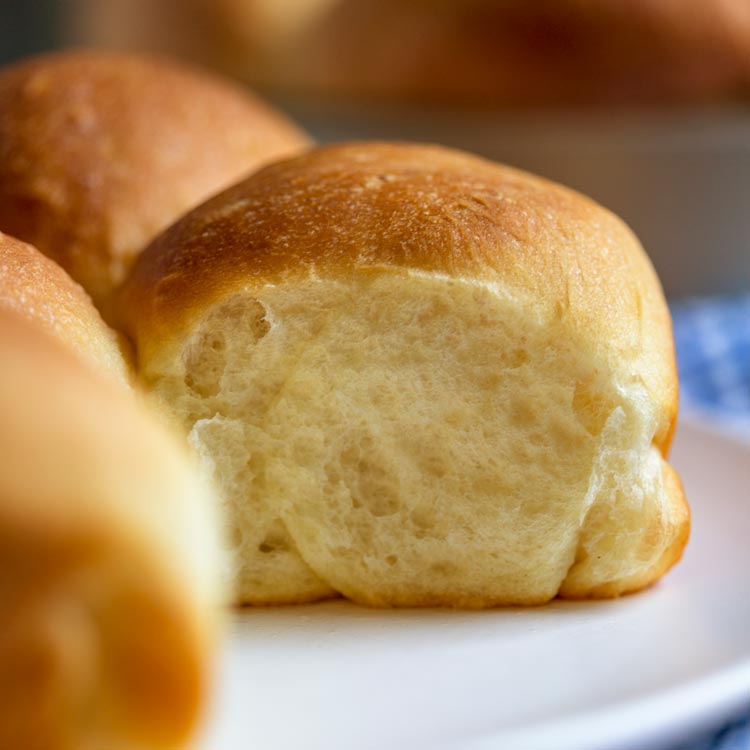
(639, 672)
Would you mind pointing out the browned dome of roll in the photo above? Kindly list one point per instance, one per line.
(356, 206)
(99, 151)
(37, 289)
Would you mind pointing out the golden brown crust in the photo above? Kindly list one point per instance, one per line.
(36, 288)
(99, 151)
(108, 615)
(347, 208)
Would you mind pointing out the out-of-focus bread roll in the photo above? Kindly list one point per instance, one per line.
(37, 289)
(503, 52)
(99, 151)
(108, 587)
(418, 378)
(479, 52)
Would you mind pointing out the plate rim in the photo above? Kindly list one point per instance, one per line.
(655, 716)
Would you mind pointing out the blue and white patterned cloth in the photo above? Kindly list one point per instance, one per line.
(712, 336)
(733, 736)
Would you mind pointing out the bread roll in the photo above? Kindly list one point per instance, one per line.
(108, 592)
(37, 289)
(491, 52)
(497, 53)
(418, 378)
(99, 151)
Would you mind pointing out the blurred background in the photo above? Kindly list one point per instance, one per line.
(642, 104)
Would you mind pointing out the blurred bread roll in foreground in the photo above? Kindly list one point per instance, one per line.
(486, 52)
(99, 151)
(108, 590)
(36, 288)
(418, 378)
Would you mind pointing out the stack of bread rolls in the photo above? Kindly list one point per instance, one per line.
(110, 584)
(402, 374)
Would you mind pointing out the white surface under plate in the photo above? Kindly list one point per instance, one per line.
(639, 672)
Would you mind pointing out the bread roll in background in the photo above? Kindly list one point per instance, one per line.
(517, 53)
(488, 53)
(108, 564)
(418, 378)
(100, 150)
(495, 52)
(36, 288)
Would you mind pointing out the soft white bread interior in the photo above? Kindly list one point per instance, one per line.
(109, 593)
(418, 378)
(36, 288)
(99, 151)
